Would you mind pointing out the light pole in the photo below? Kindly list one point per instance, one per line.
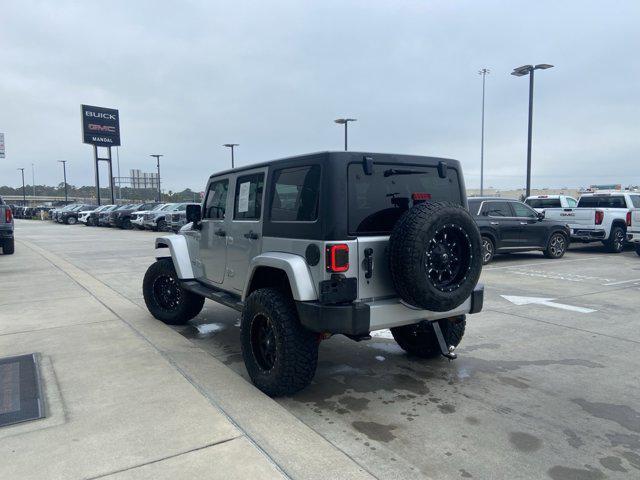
(24, 194)
(345, 122)
(232, 146)
(157, 157)
(484, 72)
(520, 72)
(64, 170)
(33, 180)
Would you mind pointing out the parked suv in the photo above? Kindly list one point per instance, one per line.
(6, 228)
(178, 218)
(122, 217)
(508, 225)
(321, 244)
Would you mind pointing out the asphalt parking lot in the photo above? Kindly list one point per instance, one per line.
(547, 382)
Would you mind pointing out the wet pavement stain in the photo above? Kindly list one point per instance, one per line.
(525, 442)
(573, 439)
(472, 420)
(566, 473)
(624, 440)
(464, 473)
(633, 459)
(513, 382)
(480, 346)
(354, 404)
(623, 415)
(613, 463)
(375, 431)
(447, 408)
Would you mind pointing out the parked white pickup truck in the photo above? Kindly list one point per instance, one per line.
(541, 202)
(603, 217)
(633, 230)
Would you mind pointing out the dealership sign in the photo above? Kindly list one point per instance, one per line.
(1, 145)
(100, 126)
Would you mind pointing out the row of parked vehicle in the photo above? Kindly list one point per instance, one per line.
(142, 216)
(549, 223)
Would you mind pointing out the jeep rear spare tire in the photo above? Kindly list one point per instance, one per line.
(435, 255)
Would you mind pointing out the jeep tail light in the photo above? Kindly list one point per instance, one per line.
(8, 216)
(599, 217)
(337, 258)
(420, 196)
(629, 218)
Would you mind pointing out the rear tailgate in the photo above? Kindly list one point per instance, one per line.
(574, 217)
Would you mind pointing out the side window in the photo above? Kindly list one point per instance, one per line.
(295, 194)
(496, 209)
(571, 202)
(635, 199)
(248, 204)
(216, 205)
(523, 211)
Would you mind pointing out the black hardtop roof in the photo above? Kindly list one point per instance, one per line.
(326, 156)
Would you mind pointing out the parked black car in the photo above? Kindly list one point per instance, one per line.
(121, 218)
(508, 225)
(70, 216)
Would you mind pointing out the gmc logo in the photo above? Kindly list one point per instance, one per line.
(102, 128)
(107, 116)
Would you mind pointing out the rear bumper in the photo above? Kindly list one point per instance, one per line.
(360, 318)
(588, 234)
(633, 236)
(6, 233)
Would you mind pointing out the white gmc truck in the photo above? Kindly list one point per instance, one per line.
(607, 217)
(542, 202)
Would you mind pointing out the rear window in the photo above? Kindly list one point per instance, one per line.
(602, 202)
(635, 199)
(377, 201)
(543, 202)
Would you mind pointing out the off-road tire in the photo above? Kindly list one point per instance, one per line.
(296, 348)
(557, 246)
(488, 250)
(8, 246)
(187, 304)
(615, 242)
(408, 250)
(420, 339)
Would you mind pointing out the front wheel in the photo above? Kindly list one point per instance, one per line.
(420, 339)
(72, 221)
(165, 298)
(556, 247)
(280, 355)
(615, 242)
(488, 250)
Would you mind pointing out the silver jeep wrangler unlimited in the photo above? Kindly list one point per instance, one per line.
(321, 244)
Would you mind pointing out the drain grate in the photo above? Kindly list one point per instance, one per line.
(20, 393)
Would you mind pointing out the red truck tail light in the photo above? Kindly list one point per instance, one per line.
(629, 218)
(8, 216)
(599, 217)
(337, 258)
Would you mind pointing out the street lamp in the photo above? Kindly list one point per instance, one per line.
(345, 122)
(484, 72)
(157, 157)
(24, 195)
(520, 72)
(33, 180)
(231, 146)
(64, 170)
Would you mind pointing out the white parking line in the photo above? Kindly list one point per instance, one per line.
(620, 283)
(555, 262)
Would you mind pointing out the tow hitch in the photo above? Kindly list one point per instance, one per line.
(447, 351)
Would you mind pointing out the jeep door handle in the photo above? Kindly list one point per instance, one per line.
(220, 233)
(495, 223)
(524, 223)
(251, 235)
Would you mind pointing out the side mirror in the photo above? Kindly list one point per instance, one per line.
(541, 215)
(194, 214)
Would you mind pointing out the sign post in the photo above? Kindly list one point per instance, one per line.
(101, 128)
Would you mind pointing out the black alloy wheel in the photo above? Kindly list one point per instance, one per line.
(487, 250)
(167, 292)
(263, 342)
(615, 243)
(448, 258)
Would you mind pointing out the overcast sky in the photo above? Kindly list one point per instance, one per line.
(272, 76)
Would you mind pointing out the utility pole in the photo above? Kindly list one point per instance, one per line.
(157, 157)
(519, 72)
(24, 194)
(33, 180)
(484, 72)
(345, 122)
(231, 146)
(119, 177)
(64, 169)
